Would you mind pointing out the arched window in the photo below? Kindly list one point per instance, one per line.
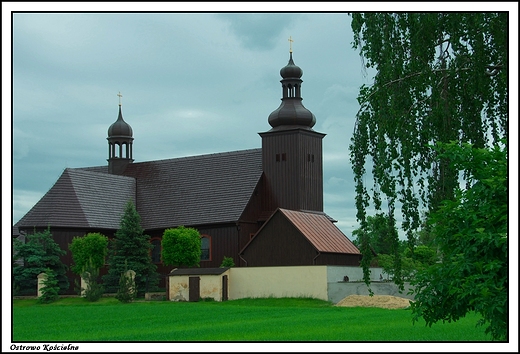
(156, 250)
(205, 248)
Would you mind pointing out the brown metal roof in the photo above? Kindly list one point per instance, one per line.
(320, 231)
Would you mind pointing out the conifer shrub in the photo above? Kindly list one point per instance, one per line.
(126, 291)
(50, 288)
(94, 290)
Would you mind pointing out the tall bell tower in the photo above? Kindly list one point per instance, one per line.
(292, 157)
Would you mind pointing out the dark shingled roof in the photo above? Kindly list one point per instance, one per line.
(195, 190)
(82, 199)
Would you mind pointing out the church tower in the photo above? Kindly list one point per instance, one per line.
(119, 144)
(292, 151)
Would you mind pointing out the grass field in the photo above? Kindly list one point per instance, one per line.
(74, 319)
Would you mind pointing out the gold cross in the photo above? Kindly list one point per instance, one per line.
(120, 95)
(290, 44)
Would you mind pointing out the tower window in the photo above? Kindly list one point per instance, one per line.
(277, 157)
(283, 156)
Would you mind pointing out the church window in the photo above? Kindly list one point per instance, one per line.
(156, 250)
(205, 248)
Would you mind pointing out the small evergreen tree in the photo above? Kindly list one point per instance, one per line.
(130, 247)
(181, 247)
(94, 289)
(50, 288)
(39, 253)
(127, 291)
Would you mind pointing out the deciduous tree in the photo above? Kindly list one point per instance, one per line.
(439, 77)
(89, 250)
(181, 246)
(441, 80)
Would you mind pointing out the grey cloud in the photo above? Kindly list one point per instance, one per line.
(259, 31)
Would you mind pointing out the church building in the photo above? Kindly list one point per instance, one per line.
(262, 207)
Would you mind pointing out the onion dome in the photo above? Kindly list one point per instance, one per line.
(120, 127)
(291, 70)
(291, 112)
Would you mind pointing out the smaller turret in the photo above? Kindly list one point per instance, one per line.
(120, 135)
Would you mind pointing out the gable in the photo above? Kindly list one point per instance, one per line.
(320, 232)
(316, 228)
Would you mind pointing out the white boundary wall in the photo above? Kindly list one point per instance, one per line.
(296, 281)
(319, 282)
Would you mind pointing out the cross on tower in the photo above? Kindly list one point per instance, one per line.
(290, 44)
(120, 95)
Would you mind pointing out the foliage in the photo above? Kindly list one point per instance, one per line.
(90, 248)
(94, 290)
(227, 262)
(424, 255)
(387, 262)
(130, 247)
(50, 289)
(181, 246)
(439, 77)
(39, 253)
(411, 261)
(379, 234)
(471, 233)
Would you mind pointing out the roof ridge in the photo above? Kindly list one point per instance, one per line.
(202, 156)
(87, 170)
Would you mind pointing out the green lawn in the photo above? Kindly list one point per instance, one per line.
(74, 319)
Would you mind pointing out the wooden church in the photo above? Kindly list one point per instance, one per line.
(263, 207)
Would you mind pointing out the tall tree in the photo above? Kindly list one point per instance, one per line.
(130, 250)
(439, 77)
(39, 253)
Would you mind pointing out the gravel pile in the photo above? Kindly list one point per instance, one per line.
(382, 301)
